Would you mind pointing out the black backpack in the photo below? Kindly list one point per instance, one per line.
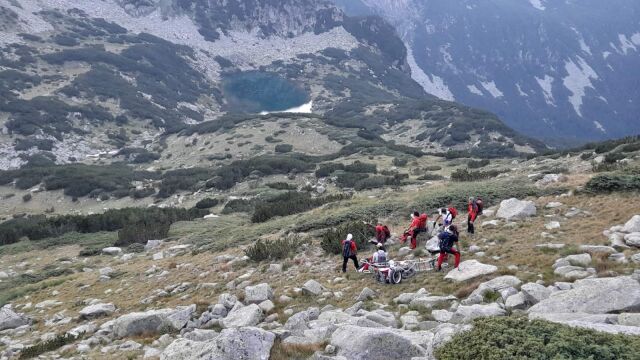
(346, 249)
(446, 241)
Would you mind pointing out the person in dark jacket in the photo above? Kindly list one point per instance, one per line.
(448, 239)
(349, 251)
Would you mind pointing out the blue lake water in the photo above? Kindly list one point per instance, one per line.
(256, 91)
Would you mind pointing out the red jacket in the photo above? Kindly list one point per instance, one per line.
(353, 246)
(415, 223)
(380, 229)
(473, 211)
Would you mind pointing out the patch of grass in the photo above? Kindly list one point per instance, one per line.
(96, 240)
(569, 250)
(281, 351)
(11, 293)
(519, 338)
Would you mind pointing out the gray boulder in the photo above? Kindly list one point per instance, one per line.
(616, 240)
(361, 343)
(151, 322)
(9, 319)
(470, 269)
(248, 343)
(427, 302)
(258, 293)
(516, 302)
(594, 296)
(633, 225)
(465, 314)
(597, 249)
(366, 294)
(494, 285)
(299, 321)
(632, 239)
(513, 209)
(112, 250)
(97, 310)
(572, 272)
(313, 288)
(534, 293)
(629, 319)
(242, 316)
(227, 300)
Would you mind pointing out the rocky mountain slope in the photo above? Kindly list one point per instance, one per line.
(562, 256)
(82, 80)
(562, 71)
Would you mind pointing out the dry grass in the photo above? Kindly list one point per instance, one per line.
(281, 351)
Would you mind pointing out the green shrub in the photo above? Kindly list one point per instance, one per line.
(433, 168)
(207, 203)
(280, 249)
(135, 248)
(26, 197)
(349, 179)
(327, 169)
(90, 252)
(476, 164)
(375, 182)
(41, 227)
(586, 156)
(141, 231)
(50, 345)
(362, 231)
(630, 147)
(506, 338)
(466, 175)
(289, 203)
(238, 205)
(606, 183)
(360, 167)
(281, 186)
(431, 177)
(283, 148)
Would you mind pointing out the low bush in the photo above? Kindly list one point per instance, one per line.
(476, 164)
(506, 338)
(327, 169)
(360, 167)
(289, 203)
(27, 197)
(606, 183)
(331, 241)
(375, 182)
(431, 177)
(280, 249)
(238, 205)
(207, 203)
(41, 227)
(142, 231)
(135, 248)
(281, 186)
(466, 175)
(283, 148)
(50, 345)
(433, 168)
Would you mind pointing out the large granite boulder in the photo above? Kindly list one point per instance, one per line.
(9, 319)
(152, 321)
(248, 343)
(513, 209)
(258, 293)
(633, 225)
(465, 314)
(594, 296)
(97, 310)
(242, 316)
(363, 343)
(470, 269)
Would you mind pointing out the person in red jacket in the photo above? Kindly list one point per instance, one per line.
(382, 233)
(472, 210)
(418, 225)
(349, 251)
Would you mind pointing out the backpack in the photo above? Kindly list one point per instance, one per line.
(479, 205)
(423, 221)
(454, 212)
(446, 241)
(346, 249)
